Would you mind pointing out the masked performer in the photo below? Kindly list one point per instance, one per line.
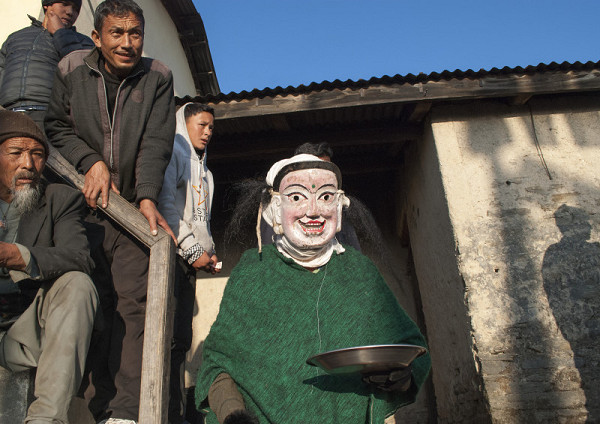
(302, 295)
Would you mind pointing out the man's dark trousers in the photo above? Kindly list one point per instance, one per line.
(121, 278)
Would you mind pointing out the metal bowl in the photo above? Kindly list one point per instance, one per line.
(366, 359)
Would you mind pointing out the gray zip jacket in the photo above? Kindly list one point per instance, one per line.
(186, 197)
(137, 145)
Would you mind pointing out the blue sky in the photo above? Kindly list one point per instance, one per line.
(270, 43)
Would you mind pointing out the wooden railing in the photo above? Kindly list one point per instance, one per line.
(159, 306)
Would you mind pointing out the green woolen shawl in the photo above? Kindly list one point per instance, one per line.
(276, 314)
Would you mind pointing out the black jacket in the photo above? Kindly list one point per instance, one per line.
(136, 146)
(55, 235)
(28, 61)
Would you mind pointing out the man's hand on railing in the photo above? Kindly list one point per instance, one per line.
(97, 183)
(149, 210)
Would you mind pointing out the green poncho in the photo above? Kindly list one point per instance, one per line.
(276, 314)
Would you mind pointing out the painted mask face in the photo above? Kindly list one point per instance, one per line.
(309, 207)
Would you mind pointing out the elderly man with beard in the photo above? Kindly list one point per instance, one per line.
(305, 294)
(48, 302)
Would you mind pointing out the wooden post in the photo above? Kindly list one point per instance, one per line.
(157, 334)
(158, 330)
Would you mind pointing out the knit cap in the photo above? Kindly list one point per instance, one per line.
(18, 124)
(76, 3)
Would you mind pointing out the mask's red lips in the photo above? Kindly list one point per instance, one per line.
(313, 227)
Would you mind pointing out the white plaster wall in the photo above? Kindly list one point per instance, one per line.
(455, 374)
(501, 203)
(14, 15)
(209, 292)
(161, 40)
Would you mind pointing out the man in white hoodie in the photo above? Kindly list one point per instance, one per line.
(185, 202)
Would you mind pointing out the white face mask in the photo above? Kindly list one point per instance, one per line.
(309, 207)
(306, 212)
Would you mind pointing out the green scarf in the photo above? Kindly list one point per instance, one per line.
(276, 314)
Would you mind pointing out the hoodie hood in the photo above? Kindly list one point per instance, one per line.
(182, 134)
(186, 196)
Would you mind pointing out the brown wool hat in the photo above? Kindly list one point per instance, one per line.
(18, 124)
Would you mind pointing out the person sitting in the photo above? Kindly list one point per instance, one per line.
(48, 302)
(302, 295)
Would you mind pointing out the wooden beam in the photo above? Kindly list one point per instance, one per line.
(259, 146)
(420, 110)
(119, 209)
(485, 87)
(519, 100)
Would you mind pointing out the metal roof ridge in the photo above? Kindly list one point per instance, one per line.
(395, 79)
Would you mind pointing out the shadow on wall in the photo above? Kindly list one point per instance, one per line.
(527, 367)
(571, 272)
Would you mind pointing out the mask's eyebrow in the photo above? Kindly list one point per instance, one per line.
(327, 186)
(295, 186)
(298, 185)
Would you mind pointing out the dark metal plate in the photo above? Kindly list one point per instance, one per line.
(363, 359)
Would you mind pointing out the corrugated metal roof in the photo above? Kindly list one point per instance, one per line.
(396, 79)
(260, 125)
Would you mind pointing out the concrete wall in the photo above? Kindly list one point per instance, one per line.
(15, 395)
(209, 292)
(161, 40)
(14, 15)
(454, 368)
(526, 290)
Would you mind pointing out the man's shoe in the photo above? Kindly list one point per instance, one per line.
(117, 421)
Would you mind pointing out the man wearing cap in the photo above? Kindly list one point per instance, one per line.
(48, 302)
(28, 58)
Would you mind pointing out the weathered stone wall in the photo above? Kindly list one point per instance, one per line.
(16, 391)
(403, 283)
(524, 223)
(454, 370)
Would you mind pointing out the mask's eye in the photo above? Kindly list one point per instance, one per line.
(326, 197)
(296, 197)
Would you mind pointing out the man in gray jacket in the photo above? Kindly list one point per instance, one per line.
(112, 115)
(28, 58)
(47, 301)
